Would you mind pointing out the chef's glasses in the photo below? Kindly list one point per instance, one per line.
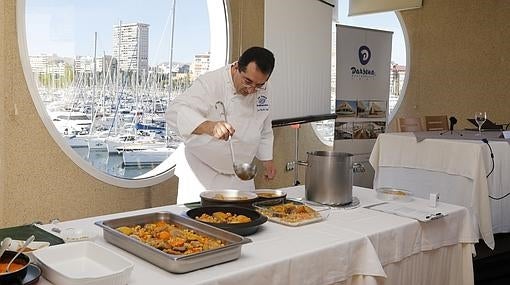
(250, 84)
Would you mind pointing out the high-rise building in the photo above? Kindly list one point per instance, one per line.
(397, 76)
(104, 64)
(200, 65)
(39, 63)
(131, 47)
(46, 64)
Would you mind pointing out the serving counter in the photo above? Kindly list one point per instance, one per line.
(352, 246)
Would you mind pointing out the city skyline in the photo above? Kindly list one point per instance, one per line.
(50, 26)
(58, 27)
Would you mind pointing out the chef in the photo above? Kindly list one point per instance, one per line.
(204, 161)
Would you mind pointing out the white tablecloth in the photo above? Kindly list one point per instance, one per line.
(412, 252)
(352, 246)
(456, 169)
(395, 237)
(279, 254)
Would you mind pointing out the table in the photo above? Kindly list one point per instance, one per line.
(454, 168)
(357, 246)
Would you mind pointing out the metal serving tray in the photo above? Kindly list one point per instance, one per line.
(169, 262)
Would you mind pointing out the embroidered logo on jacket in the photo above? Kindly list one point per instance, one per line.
(262, 103)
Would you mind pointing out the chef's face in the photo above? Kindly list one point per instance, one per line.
(249, 81)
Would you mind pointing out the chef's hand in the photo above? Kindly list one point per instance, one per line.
(269, 169)
(218, 129)
(222, 130)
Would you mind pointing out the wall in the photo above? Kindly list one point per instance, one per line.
(284, 151)
(3, 85)
(459, 60)
(247, 25)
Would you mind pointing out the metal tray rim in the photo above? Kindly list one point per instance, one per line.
(243, 240)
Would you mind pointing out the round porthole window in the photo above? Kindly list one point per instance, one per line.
(101, 74)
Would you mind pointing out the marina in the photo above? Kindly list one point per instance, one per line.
(121, 135)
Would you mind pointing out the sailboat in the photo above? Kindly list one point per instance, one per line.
(146, 156)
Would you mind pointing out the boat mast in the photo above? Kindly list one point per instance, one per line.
(118, 90)
(170, 83)
(92, 109)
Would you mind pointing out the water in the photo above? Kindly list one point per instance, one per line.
(111, 163)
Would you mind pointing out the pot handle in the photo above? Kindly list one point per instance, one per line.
(358, 167)
(302, 163)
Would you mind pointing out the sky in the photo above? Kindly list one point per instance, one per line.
(381, 21)
(66, 27)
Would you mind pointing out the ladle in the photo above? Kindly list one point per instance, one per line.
(27, 242)
(6, 242)
(245, 170)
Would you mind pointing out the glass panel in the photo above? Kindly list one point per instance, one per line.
(103, 68)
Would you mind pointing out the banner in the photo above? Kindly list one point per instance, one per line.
(363, 59)
(363, 63)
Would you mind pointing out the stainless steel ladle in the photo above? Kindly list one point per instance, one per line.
(243, 170)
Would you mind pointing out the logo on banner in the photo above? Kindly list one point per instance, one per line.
(262, 103)
(361, 72)
(364, 55)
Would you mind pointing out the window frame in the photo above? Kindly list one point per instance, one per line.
(393, 113)
(169, 163)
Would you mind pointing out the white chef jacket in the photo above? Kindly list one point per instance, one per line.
(204, 162)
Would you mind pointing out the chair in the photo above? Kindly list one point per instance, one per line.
(436, 123)
(409, 124)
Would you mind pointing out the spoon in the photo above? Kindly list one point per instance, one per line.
(27, 242)
(245, 171)
(6, 242)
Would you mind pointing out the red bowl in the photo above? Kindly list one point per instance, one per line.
(17, 276)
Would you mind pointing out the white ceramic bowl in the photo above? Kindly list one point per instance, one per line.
(83, 263)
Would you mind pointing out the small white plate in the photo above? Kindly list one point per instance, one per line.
(32, 247)
(35, 245)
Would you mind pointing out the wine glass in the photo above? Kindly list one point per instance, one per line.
(480, 118)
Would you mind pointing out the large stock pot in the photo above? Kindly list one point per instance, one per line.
(329, 177)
